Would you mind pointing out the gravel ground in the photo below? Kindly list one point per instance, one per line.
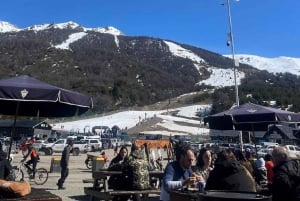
(74, 184)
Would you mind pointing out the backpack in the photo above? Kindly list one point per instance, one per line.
(136, 171)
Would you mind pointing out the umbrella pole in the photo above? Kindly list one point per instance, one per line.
(13, 130)
(254, 139)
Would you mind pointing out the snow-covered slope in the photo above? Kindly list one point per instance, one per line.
(7, 27)
(272, 65)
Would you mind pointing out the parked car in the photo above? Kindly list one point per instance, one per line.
(38, 144)
(94, 144)
(263, 152)
(109, 143)
(294, 151)
(59, 145)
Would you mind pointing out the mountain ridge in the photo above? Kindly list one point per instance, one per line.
(120, 71)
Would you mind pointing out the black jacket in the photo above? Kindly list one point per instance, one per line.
(230, 175)
(286, 181)
(64, 162)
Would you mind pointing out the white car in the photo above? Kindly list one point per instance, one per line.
(294, 151)
(94, 144)
(263, 152)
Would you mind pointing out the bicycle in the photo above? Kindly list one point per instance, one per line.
(18, 174)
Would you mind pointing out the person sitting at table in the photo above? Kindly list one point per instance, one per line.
(230, 174)
(203, 164)
(116, 164)
(119, 159)
(178, 173)
(244, 161)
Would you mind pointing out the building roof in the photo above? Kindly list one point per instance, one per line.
(24, 124)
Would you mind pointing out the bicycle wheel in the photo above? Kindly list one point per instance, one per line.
(41, 176)
(17, 174)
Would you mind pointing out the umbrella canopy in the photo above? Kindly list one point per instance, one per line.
(36, 98)
(250, 117)
(26, 96)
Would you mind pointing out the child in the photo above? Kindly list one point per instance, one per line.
(260, 172)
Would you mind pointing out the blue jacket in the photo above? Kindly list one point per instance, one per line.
(172, 179)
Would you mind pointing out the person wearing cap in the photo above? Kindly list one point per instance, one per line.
(64, 164)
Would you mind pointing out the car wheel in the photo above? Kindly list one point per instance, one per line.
(48, 152)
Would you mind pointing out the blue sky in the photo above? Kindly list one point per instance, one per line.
(268, 28)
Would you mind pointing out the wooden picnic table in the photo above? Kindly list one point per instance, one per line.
(104, 193)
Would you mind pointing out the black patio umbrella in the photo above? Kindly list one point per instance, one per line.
(26, 96)
(250, 117)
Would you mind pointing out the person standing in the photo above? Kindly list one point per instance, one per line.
(64, 164)
(286, 180)
(116, 150)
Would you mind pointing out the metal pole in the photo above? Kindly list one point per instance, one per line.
(232, 52)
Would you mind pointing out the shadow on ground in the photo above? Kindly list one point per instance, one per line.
(80, 197)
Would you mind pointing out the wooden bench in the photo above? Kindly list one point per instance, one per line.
(109, 195)
(88, 181)
(103, 192)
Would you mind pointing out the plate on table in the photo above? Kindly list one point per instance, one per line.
(193, 189)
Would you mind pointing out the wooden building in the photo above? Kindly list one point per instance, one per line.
(25, 128)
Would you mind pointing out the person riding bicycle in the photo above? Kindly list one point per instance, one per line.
(33, 159)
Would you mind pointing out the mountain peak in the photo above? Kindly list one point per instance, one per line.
(65, 25)
(7, 27)
(108, 30)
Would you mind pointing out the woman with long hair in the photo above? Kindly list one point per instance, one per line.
(203, 165)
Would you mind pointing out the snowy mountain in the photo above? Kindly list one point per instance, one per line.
(272, 65)
(105, 63)
(7, 27)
